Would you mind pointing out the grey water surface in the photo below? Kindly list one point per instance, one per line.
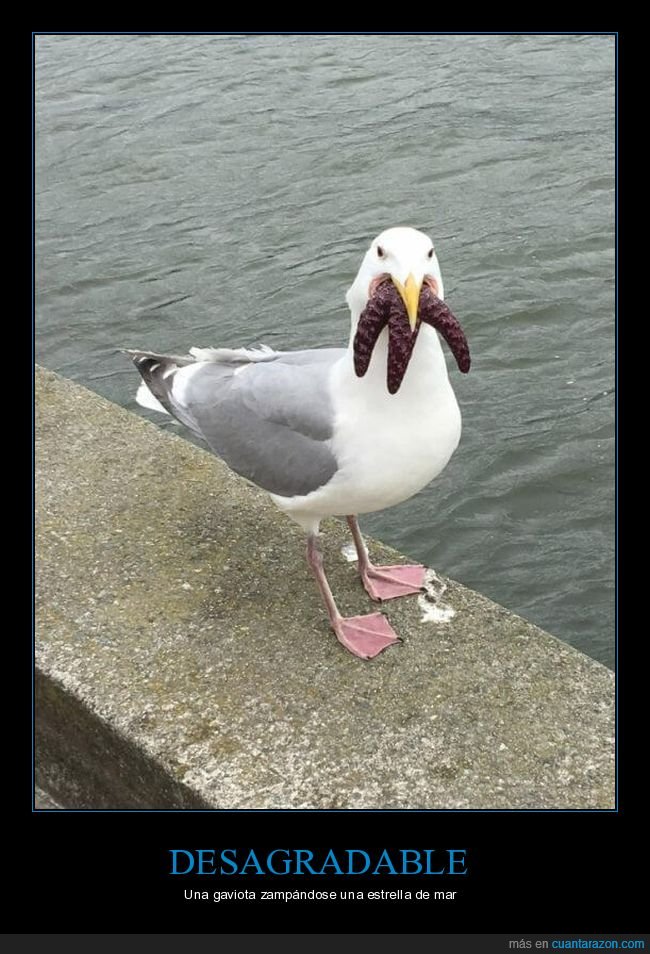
(221, 190)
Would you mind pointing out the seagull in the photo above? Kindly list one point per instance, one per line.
(320, 430)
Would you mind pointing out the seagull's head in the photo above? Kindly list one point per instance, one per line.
(408, 258)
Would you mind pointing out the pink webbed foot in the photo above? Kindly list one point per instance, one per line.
(389, 582)
(365, 636)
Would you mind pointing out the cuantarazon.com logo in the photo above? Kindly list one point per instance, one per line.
(578, 944)
(596, 944)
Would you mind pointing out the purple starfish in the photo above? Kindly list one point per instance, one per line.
(385, 307)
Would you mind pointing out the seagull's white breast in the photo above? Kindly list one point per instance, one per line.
(388, 446)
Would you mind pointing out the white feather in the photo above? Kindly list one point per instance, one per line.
(238, 355)
(145, 398)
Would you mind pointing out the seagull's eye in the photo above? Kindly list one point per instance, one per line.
(380, 252)
(430, 252)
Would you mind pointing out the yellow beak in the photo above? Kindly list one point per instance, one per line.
(410, 292)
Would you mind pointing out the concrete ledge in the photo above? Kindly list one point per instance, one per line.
(184, 659)
(43, 801)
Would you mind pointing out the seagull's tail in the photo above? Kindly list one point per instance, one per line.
(164, 376)
(154, 368)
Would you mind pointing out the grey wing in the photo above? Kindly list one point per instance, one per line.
(271, 421)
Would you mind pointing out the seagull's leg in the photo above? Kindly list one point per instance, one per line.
(363, 636)
(385, 582)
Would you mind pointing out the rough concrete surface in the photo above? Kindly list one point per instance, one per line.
(43, 801)
(184, 659)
